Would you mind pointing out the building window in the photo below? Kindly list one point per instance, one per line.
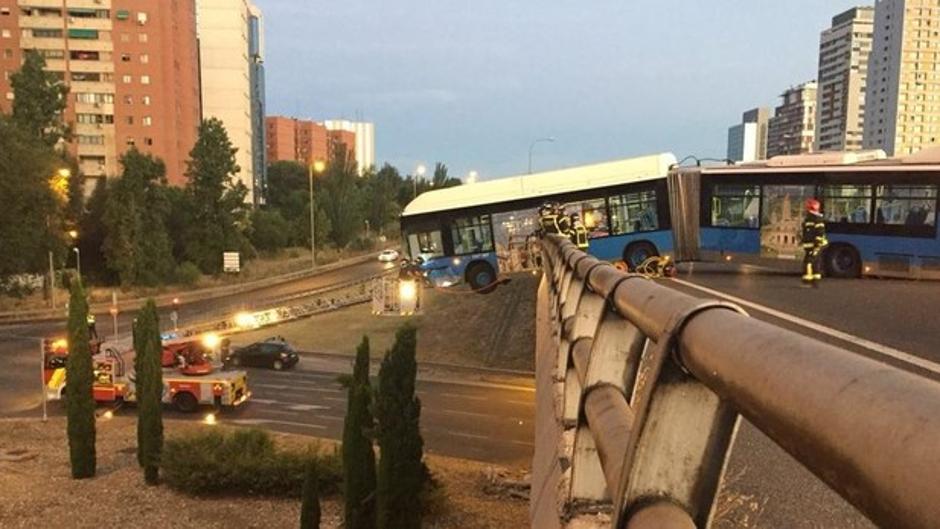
(142, 37)
(130, 142)
(145, 100)
(8, 53)
(126, 79)
(147, 121)
(6, 34)
(144, 58)
(144, 79)
(9, 96)
(148, 141)
(122, 14)
(4, 11)
(85, 139)
(129, 120)
(125, 37)
(125, 57)
(50, 54)
(129, 100)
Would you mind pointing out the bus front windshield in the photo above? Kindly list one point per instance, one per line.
(426, 245)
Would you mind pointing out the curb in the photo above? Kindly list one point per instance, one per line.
(166, 300)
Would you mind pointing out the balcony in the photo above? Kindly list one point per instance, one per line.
(99, 24)
(36, 22)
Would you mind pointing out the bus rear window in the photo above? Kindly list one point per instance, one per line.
(906, 205)
(736, 206)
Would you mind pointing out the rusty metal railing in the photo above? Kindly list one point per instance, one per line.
(643, 386)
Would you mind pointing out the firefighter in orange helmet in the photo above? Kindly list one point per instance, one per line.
(814, 241)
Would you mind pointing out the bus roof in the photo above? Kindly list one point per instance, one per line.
(850, 161)
(543, 184)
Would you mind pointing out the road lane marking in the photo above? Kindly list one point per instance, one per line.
(295, 388)
(306, 407)
(255, 422)
(822, 329)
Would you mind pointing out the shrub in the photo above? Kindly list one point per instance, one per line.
(244, 462)
(310, 504)
(188, 274)
(79, 401)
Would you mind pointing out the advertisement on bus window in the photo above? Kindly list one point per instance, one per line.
(782, 220)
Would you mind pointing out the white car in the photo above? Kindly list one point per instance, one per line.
(388, 256)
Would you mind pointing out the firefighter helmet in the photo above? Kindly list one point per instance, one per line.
(812, 205)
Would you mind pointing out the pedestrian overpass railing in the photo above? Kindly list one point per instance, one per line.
(641, 387)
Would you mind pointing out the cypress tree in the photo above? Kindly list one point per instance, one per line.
(310, 504)
(358, 456)
(149, 373)
(79, 400)
(398, 414)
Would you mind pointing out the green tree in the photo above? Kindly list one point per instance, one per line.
(441, 180)
(219, 213)
(340, 197)
(93, 232)
(39, 100)
(137, 246)
(310, 502)
(79, 401)
(401, 473)
(358, 455)
(269, 230)
(149, 386)
(381, 196)
(31, 221)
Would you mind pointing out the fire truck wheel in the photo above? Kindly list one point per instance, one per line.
(278, 365)
(185, 402)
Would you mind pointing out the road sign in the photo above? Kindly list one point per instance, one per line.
(231, 262)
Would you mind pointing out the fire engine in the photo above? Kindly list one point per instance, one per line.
(192, 374)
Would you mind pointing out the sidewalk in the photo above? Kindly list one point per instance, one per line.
(166, 300)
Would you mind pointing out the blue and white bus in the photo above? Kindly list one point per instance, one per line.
(472, 233)
(881, 214)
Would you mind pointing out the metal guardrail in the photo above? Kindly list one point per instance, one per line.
(642, 388)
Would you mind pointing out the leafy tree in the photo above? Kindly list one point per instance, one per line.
(289, 193)
(401, 473)
(31, 222)
(358, 456)
(137, 246)
(148, 369)
(441, 180)
(269, 230)
(340, 197)
(219, 212)
(310, 502)
(79, 401)
(93, 232)
(381, 196)
(39, 100)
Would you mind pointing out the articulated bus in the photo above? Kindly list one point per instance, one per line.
(471, 233)
(880, 215)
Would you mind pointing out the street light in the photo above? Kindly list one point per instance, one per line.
(316, 167)
(78, 261)
(419, 173)
(548, 139)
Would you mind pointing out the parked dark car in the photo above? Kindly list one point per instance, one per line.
(270, 353)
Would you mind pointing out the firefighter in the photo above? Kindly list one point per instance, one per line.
(92, 329)
(548, 219)
(578, 233)
(813, 240)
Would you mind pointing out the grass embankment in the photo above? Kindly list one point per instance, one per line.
(456, 326)
(266, 265)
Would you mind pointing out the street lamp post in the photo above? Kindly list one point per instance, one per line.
(316, 167)
(78, 262)
(548, 139)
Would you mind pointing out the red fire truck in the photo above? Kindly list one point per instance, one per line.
(191, 377)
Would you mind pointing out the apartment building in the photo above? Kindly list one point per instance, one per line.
(305, 141)
(747, 141)
(131, 66)
(902, 98)
(792, 130)
(844, 52)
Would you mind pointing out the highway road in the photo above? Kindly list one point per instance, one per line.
(19, 349)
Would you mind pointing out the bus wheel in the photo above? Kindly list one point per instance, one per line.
(843, 261)
(185, 402)
(637, 252)
(481, 277)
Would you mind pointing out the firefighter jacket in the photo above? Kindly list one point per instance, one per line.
(580, 236)
(549, 223)
(814, 232)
